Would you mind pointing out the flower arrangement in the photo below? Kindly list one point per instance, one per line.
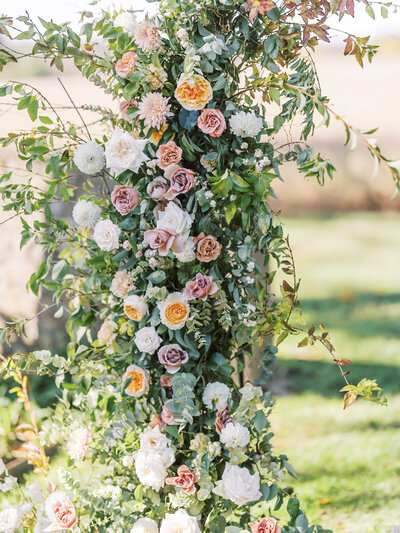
(156, 272)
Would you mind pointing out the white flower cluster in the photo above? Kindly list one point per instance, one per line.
(108, 492)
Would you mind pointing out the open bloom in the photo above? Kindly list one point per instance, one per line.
(216, 395)
(172, 357)
(147, 340)
(185, 479)
(201, 287)
(139, 381)
(181, 180)
(157, 189)
(168, 154)
(176, 219)
(78, 443)
(187, 255)
(150, 469)
(123, 152)
(60, 511)
(89, 158)
(266, 525)
(106, 235)
(146, 37)
(144, 525)
(212, 122)
(245, 124)
(179, 522)
(163, 240)
(124, 199)
(154, 110)
(208, 248)
(10, 519)
(235, 435)
(126, 65)
(106, 334)
(86, 213)
(193, 93)
(174, 310)
(121, 284)
(238, 485)
(135, 307)
(152, 440)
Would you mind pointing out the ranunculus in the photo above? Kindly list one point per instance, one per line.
(208, 248)
(135, 307)
(163, 240)
(176, 219)
(238, 485)
(184, 480)
(179, 522)
(147, 340)
(106, 334)
(10, 519)
(174, 310)
(172, 357)
(121, 284)
(139, 381)
(106, 235)
(144, 525)
(124, 107)
(201, 287)
(126, 64)
(212, 122)
(266, 525)
(124, 199)
(222, 419)
(193, 93)
(157, 189)
(168, 154)
(181, 180)
(78, 443)
(124, 152)
(60, 511)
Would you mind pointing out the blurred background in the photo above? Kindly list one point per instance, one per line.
(346, 242)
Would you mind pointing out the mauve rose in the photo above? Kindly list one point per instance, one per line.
(163, 240)
(185, 479)
(222, 419)
(168, 154)
(124, 199)
(212, 122)
(166, 415)
(267, 525)
(172, 357)
(208, 248)
(201, 287)
(157, 189)
(124, 107)
(181, 181)
(126, 64)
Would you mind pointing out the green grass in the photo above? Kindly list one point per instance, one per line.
(348, 461)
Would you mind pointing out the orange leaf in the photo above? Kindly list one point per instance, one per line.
(324, 501)
(349, 399)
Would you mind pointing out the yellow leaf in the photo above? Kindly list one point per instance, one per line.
(324, 501)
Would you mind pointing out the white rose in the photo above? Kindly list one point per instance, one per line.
(188, 253)
(179, 522)
(106, 235)
(238, 485)
(152, 440)
(126, 20)
(150, 469)
(86, 213)
(147, 340)
(176, 219)
(123, 152)
(218, 393)
(10, 519)
(235, 435)
(145, 525)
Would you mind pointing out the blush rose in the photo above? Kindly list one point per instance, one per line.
(212, 122)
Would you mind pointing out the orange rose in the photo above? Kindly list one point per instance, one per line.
(174, 311)
(193, 93)
(208, 248)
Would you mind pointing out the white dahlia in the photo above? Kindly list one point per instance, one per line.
(154, 110)
(235, 435)
(218, 393)
(123, 152)
(89, 158)
(86, 213)
(245, 124)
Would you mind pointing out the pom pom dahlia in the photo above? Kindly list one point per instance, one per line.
(245, 124)
(86, 213)
(89, 158)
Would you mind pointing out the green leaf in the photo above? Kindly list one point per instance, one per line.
(302, 523)
(33, 108)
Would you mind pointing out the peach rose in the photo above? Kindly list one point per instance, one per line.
(166, 381)
(168, 154)
(124, 199)
(181, 181)
(60, 511)
(185, 479)
(163, 240)
(139, 381)
(201, 287)
(267, 525)
(208, 248)
(174, 310)
(222, 419)
(212, 122)
(124, 107)
(193, 93)
(126, 64)
(157, 421)
(172, 357)
(157, 189)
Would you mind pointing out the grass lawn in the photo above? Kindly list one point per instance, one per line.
(348, 461)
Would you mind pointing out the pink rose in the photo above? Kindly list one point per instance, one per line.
(208, 248)
(212, 122)
(166, 415)
(163, 240)
(201, 287)
(124, 199)
(168, 154)
(126, 64)
(185, 480)
(157, 189)
(267, 525)
(166, 381)
(172, 357)
(181, 181)
(124, 107)
(60, 511)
